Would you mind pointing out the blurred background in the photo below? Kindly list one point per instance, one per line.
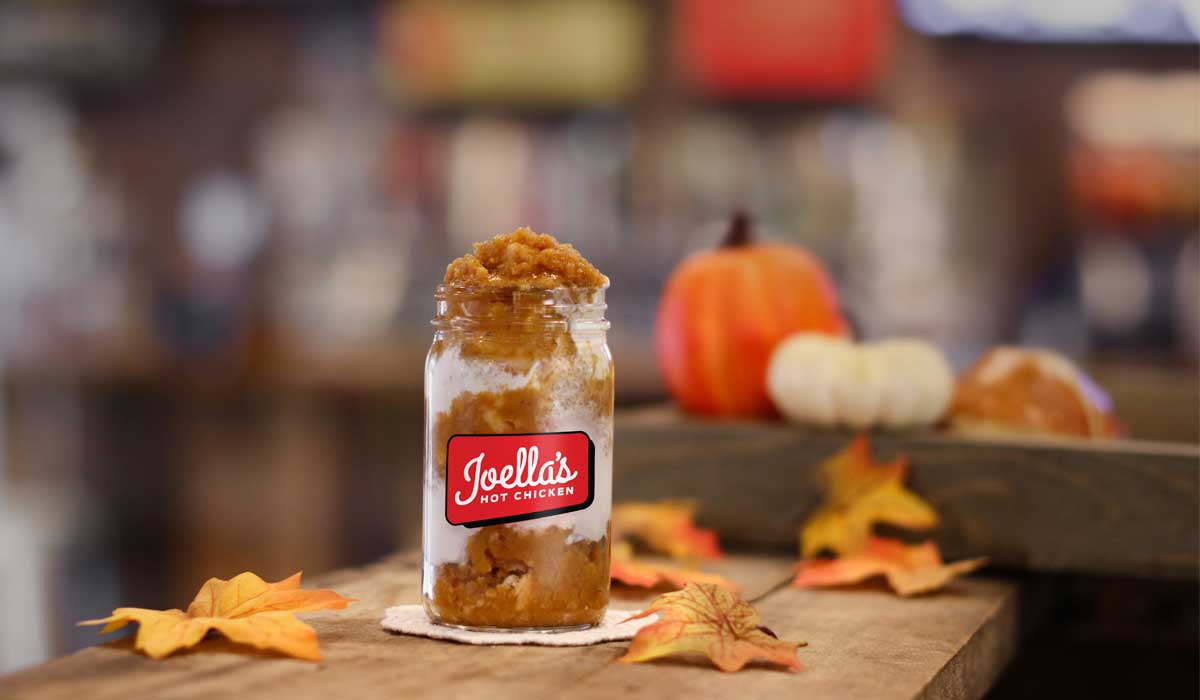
(221, 224)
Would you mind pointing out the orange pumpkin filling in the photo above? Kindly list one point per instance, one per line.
(516, 577)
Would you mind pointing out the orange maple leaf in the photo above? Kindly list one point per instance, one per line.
(910, 569)
(704, 618)
(860, 493)
(246, 609)
(667, 527)
(628, 569)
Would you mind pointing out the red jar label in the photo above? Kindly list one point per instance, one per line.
(493, 479)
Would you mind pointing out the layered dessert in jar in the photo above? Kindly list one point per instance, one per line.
(518, 450)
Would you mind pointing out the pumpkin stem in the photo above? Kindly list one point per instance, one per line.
(739, 230)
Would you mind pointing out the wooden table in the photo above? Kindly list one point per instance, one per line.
(862, 643)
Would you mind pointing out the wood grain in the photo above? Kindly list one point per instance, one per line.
(1123, 508)
(863, 643)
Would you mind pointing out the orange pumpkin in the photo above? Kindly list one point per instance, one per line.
(724, 311)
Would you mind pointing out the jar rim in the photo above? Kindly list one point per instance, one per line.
(504, 291)
(467, 308)
(579, 298)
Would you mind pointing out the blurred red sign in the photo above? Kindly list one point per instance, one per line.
(781, 48)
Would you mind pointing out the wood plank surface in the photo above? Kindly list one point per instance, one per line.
(863, 643)
(1126, 508)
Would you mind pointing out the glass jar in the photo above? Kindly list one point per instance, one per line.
(518, 459)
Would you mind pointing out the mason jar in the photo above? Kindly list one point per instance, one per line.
(518, 459)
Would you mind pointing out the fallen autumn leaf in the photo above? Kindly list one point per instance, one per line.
(631, 571)
(860, 493)
(909, 569)
(667, 527)
(707, 619)
(246, 609)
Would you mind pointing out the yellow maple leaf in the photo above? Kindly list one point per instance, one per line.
(632, 571)
(707, 619)
(246, 609)
(667, 527)
(860, 493)
(909, 569)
